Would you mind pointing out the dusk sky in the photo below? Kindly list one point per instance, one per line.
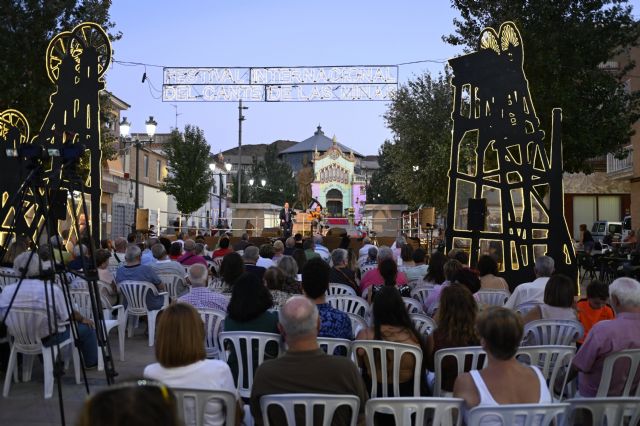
(193, 33)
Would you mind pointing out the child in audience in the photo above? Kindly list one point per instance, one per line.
(594, 308)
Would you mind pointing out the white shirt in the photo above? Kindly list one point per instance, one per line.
(364, 250)
(265, 262)
(208, 374)
(527, 292)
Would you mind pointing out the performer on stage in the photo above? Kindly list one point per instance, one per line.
(286, 220)
(316, 223)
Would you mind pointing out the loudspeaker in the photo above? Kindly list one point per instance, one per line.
(58, 204)
(477, 214)
(142, 219)
(427, 216)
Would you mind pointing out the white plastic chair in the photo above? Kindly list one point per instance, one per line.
(24, 325)
(378, 351)
(216, 284)
(330, 344)
(171, 282)
(421, 293)
(82, 302)
(609, 411)
(413, 306)
(329, 403)
(476, 354)
(632, 356)
(552, 332)
(524, 308)
(552, 360)
(213, 320)
(245, 345)
(522, 414)
(192, 404)
(8, 276)
(492, 297)
(136, 294)
(437, 411)
(336, 289)
(349, 304)
(424, 324)
(357, 323)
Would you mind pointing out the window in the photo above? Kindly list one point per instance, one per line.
(146, 166)
(158, 170)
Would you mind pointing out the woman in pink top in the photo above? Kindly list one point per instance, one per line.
(373, 277)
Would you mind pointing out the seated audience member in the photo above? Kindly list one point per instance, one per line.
(419, 269)
(164, 265)
(488, 268)
(558, 301)
(389, 272)
(607, 337)
(459, 255)
(532, 292)
(60, 253)
(455, 319)
(391, 323)
(320, 249)
(201, 250)
(372, 257)
(81, 258)
(200, 296)
(435, 271)
(224, 248)
(248, 310)
(231, 268)
(250, 258)
(44, 297)
(147, 256)
(309, 249)
(305, 368)
(289, 268)
(176, 251)
(190, 257)
(133, 270)
(110, 290)
(119, 249)
(594, 308)
(364, 250)
(451, 268)
(182, 361)
(315, 283)
(298, 239)
(406, 256)
(265, 256)
(397, 245)
(468, 278)
(340, 272)
(373, 277)
(289, 246)
(142, 403)
(242, 244)
(275, 280)
(278, 251)
(504, 380)
(300, 256)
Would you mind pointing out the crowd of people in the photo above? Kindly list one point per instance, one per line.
(281, 287)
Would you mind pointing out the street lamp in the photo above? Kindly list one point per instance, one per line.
(241, 118)
(125, 128)
(227, 167)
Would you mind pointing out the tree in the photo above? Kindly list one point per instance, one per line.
(280, 181)
(381, 189)
(189, 178)
(565, 42)
(418, 158)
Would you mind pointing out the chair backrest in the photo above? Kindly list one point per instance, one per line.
(552, 360)
(202, 398)
(378, 354)
(423, 323)
(338, 288)
(335, 346)
(552, 332)
(439, 411)
(216, 284)
(524, 308)
(8, 276)
(171, 282)
(604, 411)
(492, 297)
(413, 306)
(357, 323)
(350, 304)
(24, 326)
(75, 283)
(522, 414)
(467, 358)
(421, 293)
(329, 404)
(213, 320)
(81, 299)
(631, 385)
(136, 294)
(241, 341)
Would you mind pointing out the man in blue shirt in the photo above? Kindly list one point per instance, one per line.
(133, 270)
(315, 282)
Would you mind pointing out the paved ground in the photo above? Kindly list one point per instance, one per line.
(26, 405)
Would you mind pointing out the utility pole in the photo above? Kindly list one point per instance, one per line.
(240, 120)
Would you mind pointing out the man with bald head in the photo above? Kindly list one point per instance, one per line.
(305, 368)
(200, 296)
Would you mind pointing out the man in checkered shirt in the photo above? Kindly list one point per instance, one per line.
(200, 296)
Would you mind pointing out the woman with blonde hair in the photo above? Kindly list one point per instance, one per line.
(182, 360)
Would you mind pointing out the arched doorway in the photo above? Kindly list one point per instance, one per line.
(334, 203)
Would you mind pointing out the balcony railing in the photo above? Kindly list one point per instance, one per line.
(620, 166)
